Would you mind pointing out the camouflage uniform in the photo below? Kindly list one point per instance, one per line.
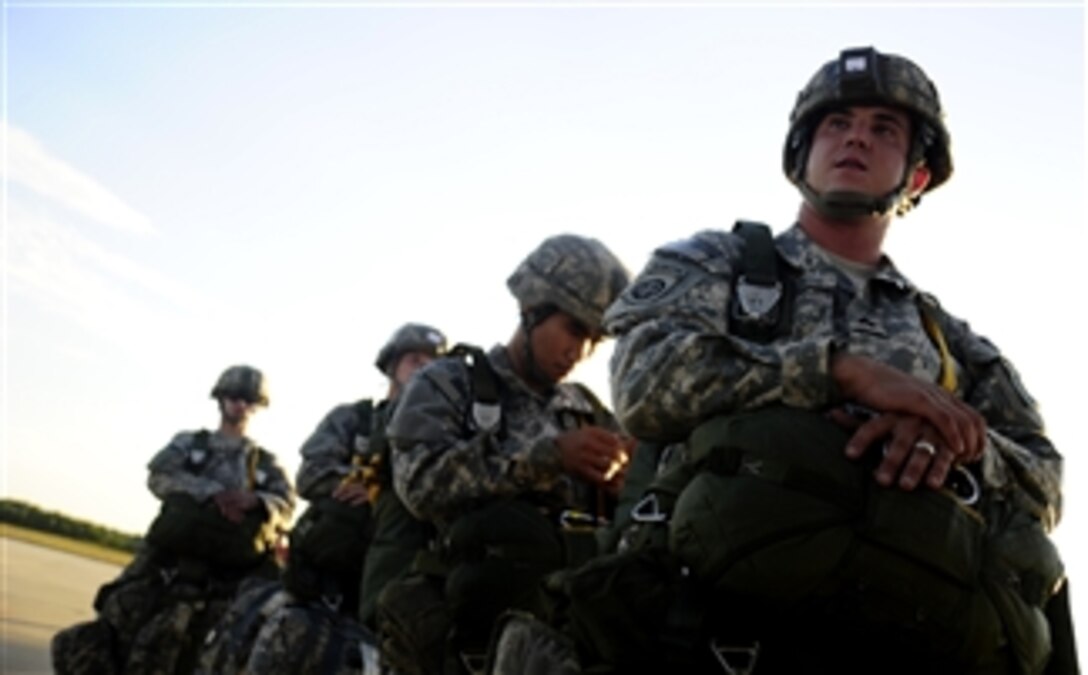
(680, 360)
(224, 468)
(308, 634)
(443, 468)
(445, 465)
(327, 453)
(153, 617)
(242, 636)
(485, 473)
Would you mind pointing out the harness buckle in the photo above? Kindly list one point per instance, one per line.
(474, 662)
(486, 415)
(574, 520)
(648, 510)
(963, 485)
(757, 300)
(332, 602)
(736, 659)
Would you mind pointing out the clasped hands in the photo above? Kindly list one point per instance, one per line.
(233, 504)
(925, 430)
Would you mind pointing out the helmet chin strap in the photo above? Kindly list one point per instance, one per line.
(849, 205)
(529, 320)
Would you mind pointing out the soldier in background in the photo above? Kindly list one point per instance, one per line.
(225, 501)
(513, 466)
(310, 620)
(346, 467)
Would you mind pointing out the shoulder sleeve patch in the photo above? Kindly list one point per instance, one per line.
(713, 250)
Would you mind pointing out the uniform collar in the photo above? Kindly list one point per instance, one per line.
(802, 254)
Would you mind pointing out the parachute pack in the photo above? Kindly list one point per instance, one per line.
(762, 540)
(189, 528)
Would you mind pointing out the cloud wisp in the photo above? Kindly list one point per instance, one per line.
(31, 166)
(53, 263)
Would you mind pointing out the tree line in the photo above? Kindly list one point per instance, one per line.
(29, 516)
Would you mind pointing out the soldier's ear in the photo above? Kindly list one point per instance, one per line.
(919, 179)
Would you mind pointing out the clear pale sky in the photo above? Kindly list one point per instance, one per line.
(191, 185)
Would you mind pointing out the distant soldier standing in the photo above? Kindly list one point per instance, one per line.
(225, 500)
(346, 459)
(354, 530)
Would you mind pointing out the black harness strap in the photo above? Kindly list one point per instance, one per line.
(760, 303)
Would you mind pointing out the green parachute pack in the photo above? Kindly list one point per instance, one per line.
(188, 528)
(762, 533)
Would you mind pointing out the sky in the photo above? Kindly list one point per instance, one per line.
(194, 185)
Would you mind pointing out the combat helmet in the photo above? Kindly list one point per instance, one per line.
(245, 382)
(411, 337)
(865, 76)
(578, 275)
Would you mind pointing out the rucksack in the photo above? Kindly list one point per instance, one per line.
(777, 519)
(328, 545)
(228, 644)
(310, 638)
(187, 527)
(784, 533)
(331, 539)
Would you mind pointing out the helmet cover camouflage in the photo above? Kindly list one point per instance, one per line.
(864, 76)
(579, 275)
(411, 337)
(245, 382)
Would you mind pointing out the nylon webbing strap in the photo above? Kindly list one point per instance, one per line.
(364, 410)
(933, 329)
(759, 263)
(486, 410)
(485, 383)
(760, 299)
(253, 457)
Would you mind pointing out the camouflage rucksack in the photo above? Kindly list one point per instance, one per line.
(171, 640)
(311, 638)
(87, 648)
(228, 644)
(124, 605)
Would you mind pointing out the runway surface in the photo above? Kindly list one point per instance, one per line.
(41, 591)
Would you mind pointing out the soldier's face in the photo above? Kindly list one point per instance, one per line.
(236, 409)
(859, 149)
(559, 343)
(408, 364)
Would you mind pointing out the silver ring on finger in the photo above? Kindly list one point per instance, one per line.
(926, 447)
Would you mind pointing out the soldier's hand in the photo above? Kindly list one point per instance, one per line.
(614, 484)
(594, 454)
(233, 504)
(351, 493)
(961, 428)
(912, 450)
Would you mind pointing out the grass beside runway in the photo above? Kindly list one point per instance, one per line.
(59, 543)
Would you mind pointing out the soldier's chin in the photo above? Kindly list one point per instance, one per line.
(559, 374)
